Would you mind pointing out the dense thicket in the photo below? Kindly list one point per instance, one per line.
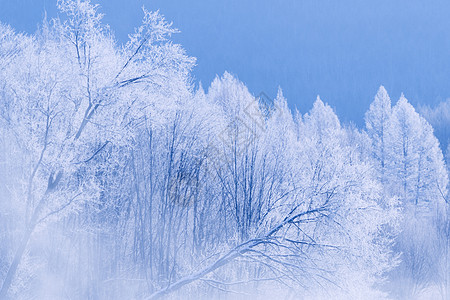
(120, 180)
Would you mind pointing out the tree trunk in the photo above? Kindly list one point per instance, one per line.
(15, 263)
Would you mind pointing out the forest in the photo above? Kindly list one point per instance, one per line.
(120, 178)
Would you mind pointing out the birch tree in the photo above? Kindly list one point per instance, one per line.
(377, 126)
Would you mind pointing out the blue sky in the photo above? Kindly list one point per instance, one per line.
(342, 50)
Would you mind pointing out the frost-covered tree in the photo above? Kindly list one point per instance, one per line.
(377, 125)
(338, 170)
(416, 165)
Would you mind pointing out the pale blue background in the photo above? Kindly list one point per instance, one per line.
(340, 49)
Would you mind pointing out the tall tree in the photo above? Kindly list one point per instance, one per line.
(377, 124)
(416, 164)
